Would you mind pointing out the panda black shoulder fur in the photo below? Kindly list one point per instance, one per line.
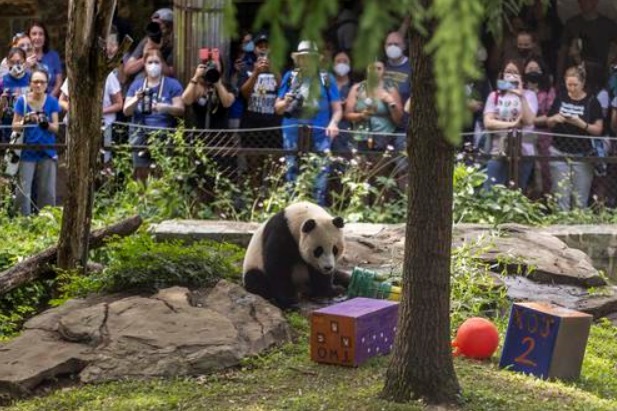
(294, 251)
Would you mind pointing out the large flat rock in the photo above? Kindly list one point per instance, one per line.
(175, 332)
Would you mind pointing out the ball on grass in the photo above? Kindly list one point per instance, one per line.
(476, 338)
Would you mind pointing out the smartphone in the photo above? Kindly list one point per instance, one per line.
(504, 85)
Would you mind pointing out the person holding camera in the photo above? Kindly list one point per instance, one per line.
(575, 113)
(309, 96)
(374, 106)
(14, 84)
(210, 99)
(508, 108)
(36, 116)
(154, 101)
(159, 36)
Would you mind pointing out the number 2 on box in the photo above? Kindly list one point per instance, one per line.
(522, 359)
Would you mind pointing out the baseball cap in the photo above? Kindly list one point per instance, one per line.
(261, 36)
(166, 15)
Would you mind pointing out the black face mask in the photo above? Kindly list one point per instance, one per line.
(534, 77)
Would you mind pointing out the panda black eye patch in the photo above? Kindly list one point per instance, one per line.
(318, 252)
(335, 250)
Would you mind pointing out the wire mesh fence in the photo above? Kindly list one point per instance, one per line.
(577, 170)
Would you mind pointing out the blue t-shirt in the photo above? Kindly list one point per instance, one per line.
(171, 88)
(36, 135)
(50, 62)
(320, 107)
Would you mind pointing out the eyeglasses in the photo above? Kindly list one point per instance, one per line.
(38, 82)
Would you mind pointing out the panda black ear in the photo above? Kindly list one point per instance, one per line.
(338, 222)
(308, 226)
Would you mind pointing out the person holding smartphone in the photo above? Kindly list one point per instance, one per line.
(509, 107)
(575, 113)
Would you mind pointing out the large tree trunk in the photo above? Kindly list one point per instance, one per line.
(88, 66)
(421, 365)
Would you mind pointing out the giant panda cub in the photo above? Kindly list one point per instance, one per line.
(295, 251)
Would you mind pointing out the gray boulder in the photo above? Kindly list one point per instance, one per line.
(175, 332)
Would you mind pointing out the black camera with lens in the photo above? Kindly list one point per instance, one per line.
(38, 118)
(146, 102)
(295, 105)
(10, 103)
(154, 33)
(208, 58)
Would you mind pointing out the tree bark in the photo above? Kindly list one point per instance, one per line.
(421, 366)
(88, 67)
(36, 266)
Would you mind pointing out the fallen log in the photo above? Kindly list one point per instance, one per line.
(39, 264)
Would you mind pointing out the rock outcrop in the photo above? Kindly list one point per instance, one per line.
(174, 332)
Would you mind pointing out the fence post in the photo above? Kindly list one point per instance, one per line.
(304, 139)
(514, 157)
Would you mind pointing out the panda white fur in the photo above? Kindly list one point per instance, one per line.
(296, 250)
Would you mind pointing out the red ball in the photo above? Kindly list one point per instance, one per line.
(476, 338)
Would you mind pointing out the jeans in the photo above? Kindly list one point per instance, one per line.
(497, 173)
(320, 143)
(571, 183)
(45, 173)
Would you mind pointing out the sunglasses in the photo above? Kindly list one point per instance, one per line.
(38, 82)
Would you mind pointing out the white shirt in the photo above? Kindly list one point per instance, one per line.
(112, 86)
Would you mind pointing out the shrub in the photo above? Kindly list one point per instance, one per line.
(139, 263)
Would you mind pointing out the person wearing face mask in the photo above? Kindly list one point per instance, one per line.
(154, 101)
(47, 58)
(160, 37)
(398, 66)
(36, 115)
(22, 41)
(507, 108)
(258, 89)
(525, 46)
(342, 73)
(14, 84)
(537, 80)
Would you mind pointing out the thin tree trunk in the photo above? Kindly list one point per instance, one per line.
(421, 365)
(88, 66)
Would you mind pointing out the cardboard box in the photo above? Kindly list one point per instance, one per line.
(546, 341)
(353, 331)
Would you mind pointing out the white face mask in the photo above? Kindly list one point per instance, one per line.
(153, 69)
(17, 71)
(342, 69)
(394, 52)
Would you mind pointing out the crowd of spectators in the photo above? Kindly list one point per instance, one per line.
(545, 99)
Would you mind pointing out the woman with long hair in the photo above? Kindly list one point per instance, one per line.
(36, 115)
(538, 80)
(47, 58)
(579, 114)
(374, 106)
(508, 108)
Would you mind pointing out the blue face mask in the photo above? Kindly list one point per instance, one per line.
(248, 47)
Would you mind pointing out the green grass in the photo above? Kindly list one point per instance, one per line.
(285, 379)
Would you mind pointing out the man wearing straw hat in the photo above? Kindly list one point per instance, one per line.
(309, 97)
